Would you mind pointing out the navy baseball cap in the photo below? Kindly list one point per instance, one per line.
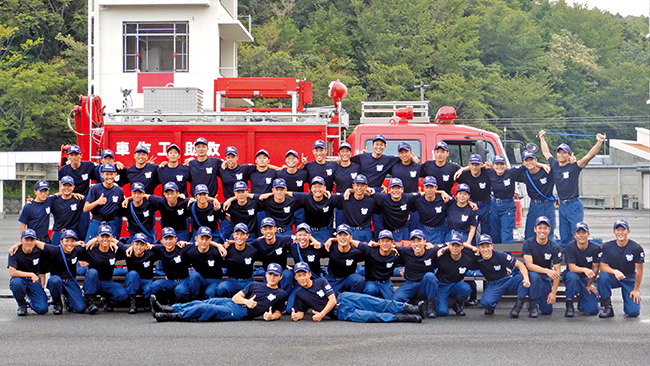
(109, 152)
(28, 233)
(543, 220)
(105, 230)
(301, 267)
(528, 154)
(475, 159)
(623, 223)
(200, 188)
(303, 226)
(404, 146)
(484, 239)
(430, 181)
(385, 234)
(137, 186)
(168, 231)
(319, 143)
(581, 226)
(379, 137)
(231, 150)
(262, 151)
(108, 167)
(441, 145)
(274, 268)
(279, 183)
(345, 145)
(318, 179)
(241, 227)
(74, 149)
(291, 152)
(463, 187)
(139, 237)
(69, 233)
(564, 147)
(268, 221)
(204, 231)
(142, 148)
(499, 159)
(456, 239)
(343, 228)
(417, 233)
(360, 178)
(170, 186)
(43, 184)
(174, 146)
(395, 182)
(200, 140)
(240, 186)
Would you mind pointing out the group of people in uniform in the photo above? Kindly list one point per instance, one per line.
(204, 260)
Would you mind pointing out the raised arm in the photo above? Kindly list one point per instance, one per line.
(544, 145)
(592, 152)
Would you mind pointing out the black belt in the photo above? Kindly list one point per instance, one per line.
(502, 200)
(359, 228)
(319, 228)
(540, 201)
(570, 200)
(104, 218)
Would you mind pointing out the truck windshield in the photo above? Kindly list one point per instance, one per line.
(391, 147)
(460, 150)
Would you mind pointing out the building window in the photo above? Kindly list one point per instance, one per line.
(155, 46)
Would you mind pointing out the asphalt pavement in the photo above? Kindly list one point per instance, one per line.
(111, 338)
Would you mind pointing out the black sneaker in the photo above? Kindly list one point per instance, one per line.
(408, 318)
(489, 311)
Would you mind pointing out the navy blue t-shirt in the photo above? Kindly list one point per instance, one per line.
(36, 216)
(309, 255)
(26, 262)
(231, 176)
(444, 175)
(452, 271)
(415, 267)
(55, 260)
(395, 213)
(582, 258)
(66, 213)
(497, 266)
(343, 176)
(480, 186)
(208, 264)
(379, 267)
(103, 262)
(295, 182)
(176, 216)
(317, 214)
(246, 214)
(325, 171)
(239, 264)
(434, 213)
(503, 186)
(114, 197)
(205, 172)
(143, 265)
(82, 176)
(147, 175)
(623, 259)
(262, 182)
(273, 253)
(281, 212)
(375, 169)
(545, 255)
(207, 216)
(175, 263)
(146, 214)
(179, 175)
(357, 213)
(566, 178)
(315, 297)
(461, 218)
(342, 265)
(542, 180)
(409, 174)
(265, 298)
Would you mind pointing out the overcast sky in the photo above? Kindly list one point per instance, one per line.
(624, 7)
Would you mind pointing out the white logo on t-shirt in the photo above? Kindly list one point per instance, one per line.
(349, 262)
(462, 270)
(251, 212)
(413, 173)
(506, 182)
(326, 209)
(111, 261)
(329, 171)
(146, 264)
(543, 180)
(73, 260)
(147, 175)
(364, 211)
(278, 251)
(271, 297)
(180, 211)
(482, 185)
(445, 177)
(380, 168)
(629, 257)
(211, 218)
(115, 199)
(35, 261)
(299, 183)
(73, 207)
(179, 178)
(248, 261)
(389, 265)
(84, 176)
(239, 176)
(268, 180)
(464, 218)
(287, 209)
(439, 209)
(547, 256)
(565, 175)
(311, 258)
(211, 263)
(353, 175)
(320, 293)
(47, 209)
(403, 207)
(177, 259)
(208, 170)
(427, 262)
(145, 213)
(497, 267)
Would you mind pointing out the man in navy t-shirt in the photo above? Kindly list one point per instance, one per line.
(539, 187)
(174, 171)
(204, 169)
(320, 167)
(36, 215)
(103, 202)
(441, 169)
(583, 263)
(143, 171)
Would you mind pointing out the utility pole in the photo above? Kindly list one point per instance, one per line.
(423, 87)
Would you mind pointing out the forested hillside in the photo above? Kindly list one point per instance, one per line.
(519, 64)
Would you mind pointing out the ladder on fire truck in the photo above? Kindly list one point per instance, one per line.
(395, 112)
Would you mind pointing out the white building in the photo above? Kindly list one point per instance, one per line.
(139, 43)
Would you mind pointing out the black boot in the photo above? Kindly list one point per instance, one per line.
(533, 309)
(569, 309)
(57, 306)
(91, 307)
(22, 307)
(514, 313)
(607, 311)
(166, 317)
(407, 318)
(108, 307)
(132, 308)
(430, 305)
(157, 307)
(489, 311)
(412, 309)
(458, 308)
